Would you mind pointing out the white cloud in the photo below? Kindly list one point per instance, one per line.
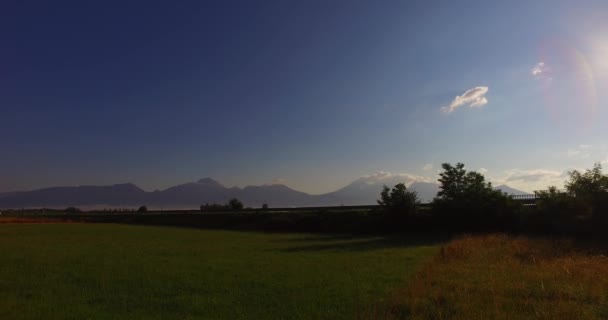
(384, 177)
(427, 167)
(278, 181)
(539, 69)
(482, 170)
(542, 71)
(472, 98)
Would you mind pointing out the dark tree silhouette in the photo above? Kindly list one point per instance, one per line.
(466, 198)
(142, 209)
(588, 184)
(589, 188)
(235, 204)
(399, 199)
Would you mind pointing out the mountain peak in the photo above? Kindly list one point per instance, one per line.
(209, 182)
(512, 191)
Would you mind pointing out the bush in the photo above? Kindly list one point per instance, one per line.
(235, 204)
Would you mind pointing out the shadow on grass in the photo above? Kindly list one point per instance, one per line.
(364, 243)
(345, 231)
(326, 237)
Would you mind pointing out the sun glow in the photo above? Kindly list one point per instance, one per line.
(600, 57)
(568, 84)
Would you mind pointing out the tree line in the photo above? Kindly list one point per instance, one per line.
(467, 201)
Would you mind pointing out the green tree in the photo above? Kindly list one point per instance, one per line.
(235, 204)
(590, 183)
(457, 184)
(558, 211)
(466, 198)
(590, 192)
(399, 199)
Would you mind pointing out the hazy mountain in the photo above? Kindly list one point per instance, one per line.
(276, 195)
(426, 190)
(193, 194)
(188, 195)
(116, 195)
(363, 191)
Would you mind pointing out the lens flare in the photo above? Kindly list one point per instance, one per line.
(568, 86)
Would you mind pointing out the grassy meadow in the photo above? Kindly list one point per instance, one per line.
(109, 271)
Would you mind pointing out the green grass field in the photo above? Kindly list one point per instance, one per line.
(106, 271)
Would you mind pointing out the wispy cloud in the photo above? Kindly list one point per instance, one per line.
(582, 151)
(533, 175)
(532, 179)
(278, 181)
(482, 170)
(393, 178)
(539, 69)
(542, 71)
(472, 98)
(427, 167)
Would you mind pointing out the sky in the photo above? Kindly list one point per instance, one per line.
(311, 94)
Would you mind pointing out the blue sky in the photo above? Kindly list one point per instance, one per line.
(312, 94)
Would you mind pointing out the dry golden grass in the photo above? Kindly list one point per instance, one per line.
(503, 277)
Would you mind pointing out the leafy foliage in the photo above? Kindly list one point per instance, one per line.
(591, 188)
(458, 184)
(558, 211)
(591, 183)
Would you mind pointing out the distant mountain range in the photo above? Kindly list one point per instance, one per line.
(192, 195)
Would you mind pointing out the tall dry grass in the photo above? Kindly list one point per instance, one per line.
(504, 277)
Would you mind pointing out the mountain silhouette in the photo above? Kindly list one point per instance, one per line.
(363, 191)
(117, 195)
